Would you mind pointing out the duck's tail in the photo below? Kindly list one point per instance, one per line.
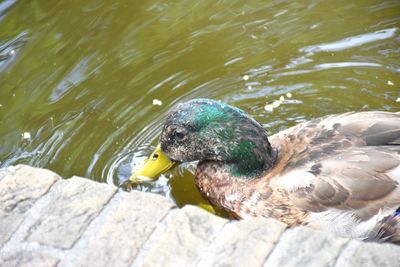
(387, 230)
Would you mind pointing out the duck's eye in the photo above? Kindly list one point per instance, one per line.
(178, 135)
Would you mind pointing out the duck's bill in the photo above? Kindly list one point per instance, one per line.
(153, 167)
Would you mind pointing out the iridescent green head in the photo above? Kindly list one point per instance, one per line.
(205, 129)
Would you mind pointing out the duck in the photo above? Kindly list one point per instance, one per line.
(338, 173)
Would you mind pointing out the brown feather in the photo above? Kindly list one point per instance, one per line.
(344, 163)
(387, 230)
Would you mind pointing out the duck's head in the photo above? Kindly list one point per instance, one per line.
(209, 130)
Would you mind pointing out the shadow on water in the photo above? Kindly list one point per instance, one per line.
(78, 80)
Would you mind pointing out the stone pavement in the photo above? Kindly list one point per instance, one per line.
(49, 221)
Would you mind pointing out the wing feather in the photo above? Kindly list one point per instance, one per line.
(350, 161)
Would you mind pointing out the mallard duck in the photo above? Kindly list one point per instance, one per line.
(339, 173)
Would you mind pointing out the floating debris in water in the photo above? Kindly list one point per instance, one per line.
(1, 105)
(275, 104)
(269, 108)
(398, 100)
(157, 102)
(26, 135)
(280, 101)
(389, 82)
(246, 77)
(12, 52)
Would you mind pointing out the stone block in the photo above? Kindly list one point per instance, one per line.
(303, 246)
(19, 190)
(369, 254)
(75, 203)
(180, 238)
(27, 258)
(242, 243)
(124, 231)
(7, 170)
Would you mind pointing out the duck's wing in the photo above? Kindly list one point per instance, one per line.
(386, 230)
(363, 180)
(346, 162)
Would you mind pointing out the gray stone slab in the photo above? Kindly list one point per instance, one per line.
(242, 243)
(180, 238)
(303, 246)
(7, 170)
(74, 206)
(124, 231)
(19, 190)
(27, 258)
(366, 254)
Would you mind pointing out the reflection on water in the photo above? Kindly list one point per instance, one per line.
(81, 77)
(350, 42)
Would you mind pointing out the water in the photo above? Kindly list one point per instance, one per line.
(78, 78)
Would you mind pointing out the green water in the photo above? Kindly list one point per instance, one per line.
(80, 76)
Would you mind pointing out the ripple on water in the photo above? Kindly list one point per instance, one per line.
(350, 42)
(81, 77)
(9, 50)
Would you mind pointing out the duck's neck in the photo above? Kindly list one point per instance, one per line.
(252, 155)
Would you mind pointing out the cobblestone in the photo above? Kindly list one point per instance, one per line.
(47, 221)
(19, 189)
(68, 215)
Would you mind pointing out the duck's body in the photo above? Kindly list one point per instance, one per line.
(340, 173)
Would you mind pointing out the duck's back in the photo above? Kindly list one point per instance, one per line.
(343, 169)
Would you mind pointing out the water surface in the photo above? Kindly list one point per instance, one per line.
(78, 78)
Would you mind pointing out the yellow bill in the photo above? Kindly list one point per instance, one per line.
(156, 164)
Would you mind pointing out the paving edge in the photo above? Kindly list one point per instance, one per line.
(79, 222)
